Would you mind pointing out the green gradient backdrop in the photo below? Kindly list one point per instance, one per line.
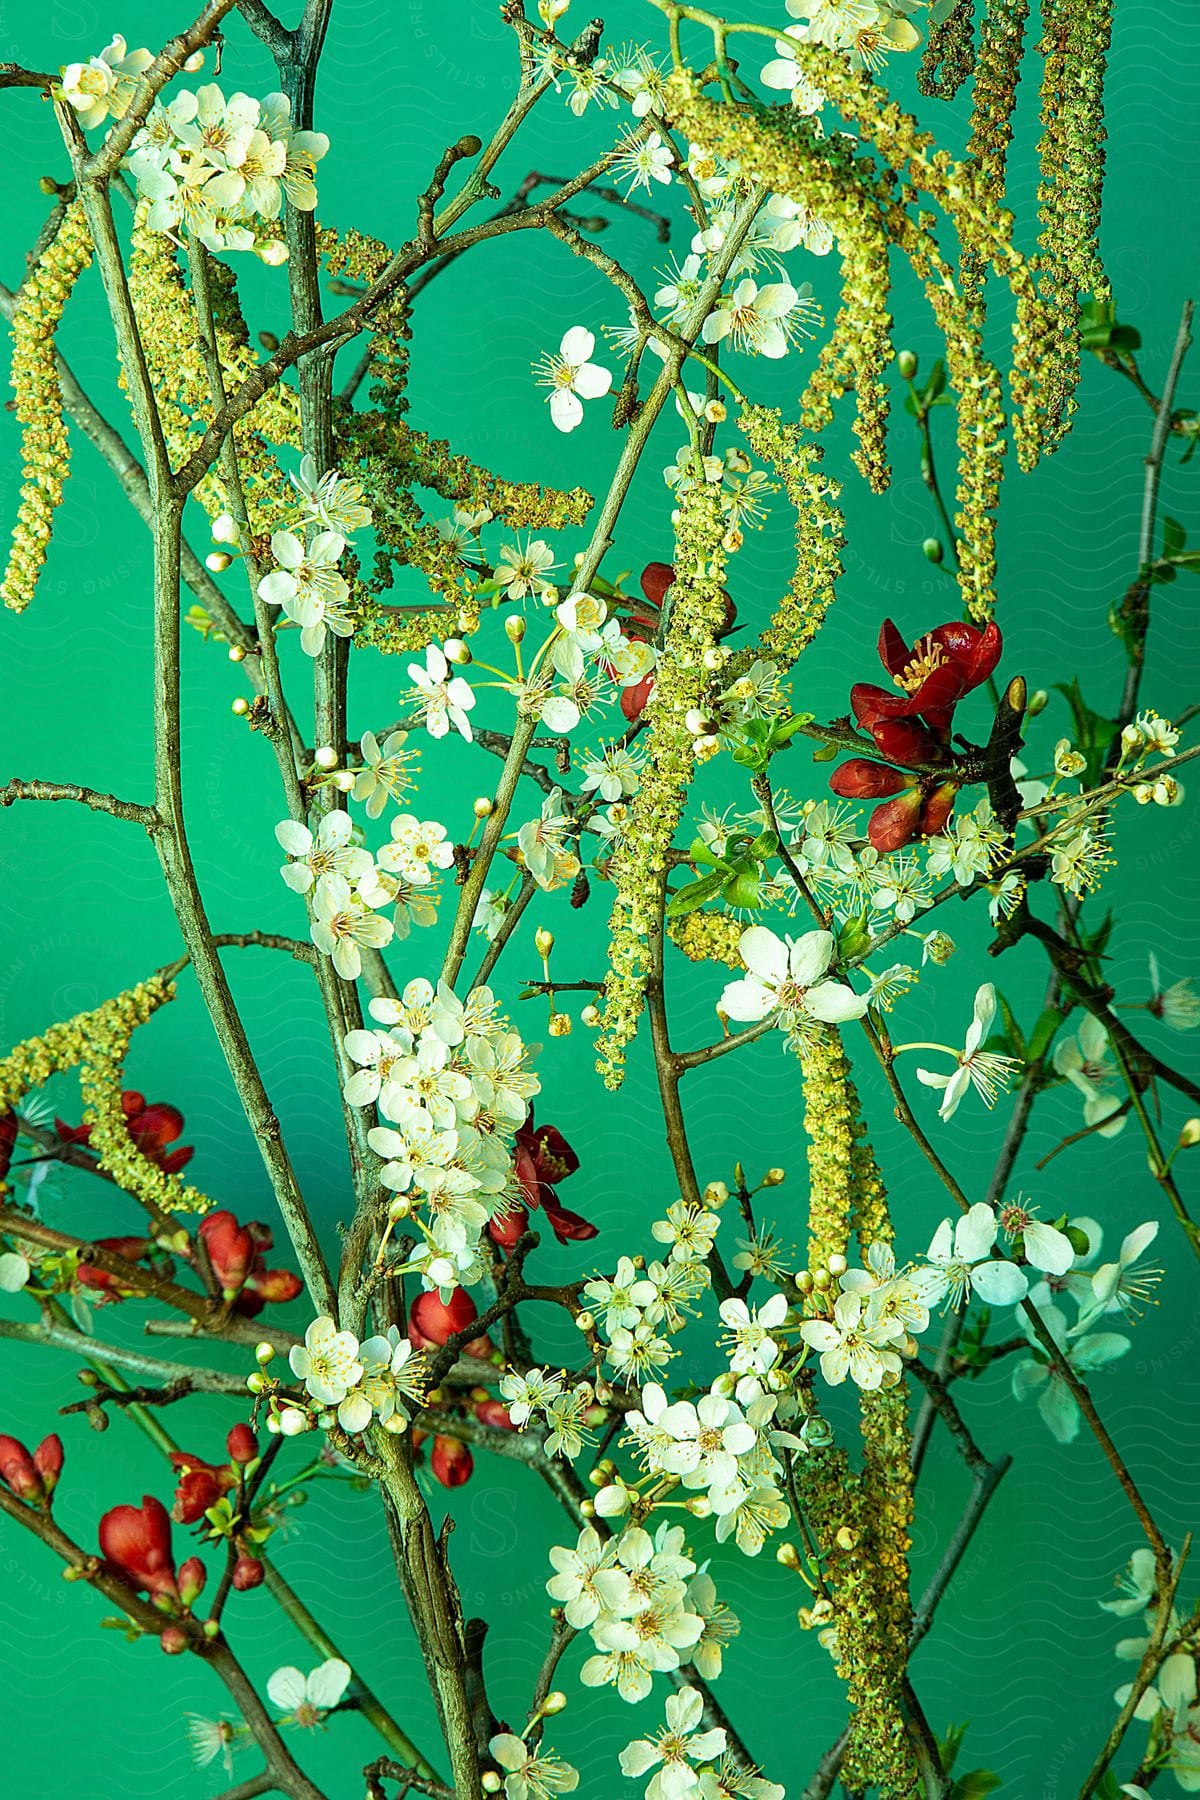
(1020, 1646)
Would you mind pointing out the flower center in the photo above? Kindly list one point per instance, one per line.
(927, 656)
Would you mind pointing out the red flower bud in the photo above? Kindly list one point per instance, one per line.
(895, 822)
(431, 1320)
(231, 1250)
(274, 1285)
(506, 1231)
(173, 1641)
(451, 1462)
(48, 1461)
(192, 1577)
(655, 579)
(137, 1541)
(248, 1572)
(494, 1412)
(634, 697)
(19, 1472)
(242, 1444)
(859, 779)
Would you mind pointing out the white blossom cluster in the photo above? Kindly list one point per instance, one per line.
(307, 584)
(453, 1081)
(221, 167)
(351, 1381)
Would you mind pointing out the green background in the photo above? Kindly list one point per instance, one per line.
(1020, 1646)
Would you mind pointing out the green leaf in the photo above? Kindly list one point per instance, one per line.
(936, 384)
(853, 938)
(1190, 560)
(975, 1786)
(1174, 537)
(695, 894)
(1043, 1034)
(1012, 1031)
(950, 1746)
(1093, 732)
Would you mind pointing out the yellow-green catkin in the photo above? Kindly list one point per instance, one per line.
(834, 1496)
(45, 445)
(887, 1441)
(867, 283)
(97, 1042)
(391, 459)
(820, 538)
(171, 339)
(979, 418)
(828, 176)
(868, 1581)
(949, 53)
(682, 684)
(831, 1125)
(708, 937)
(1074, 45)
(997, 71)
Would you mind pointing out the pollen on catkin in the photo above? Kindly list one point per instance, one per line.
(45, 444)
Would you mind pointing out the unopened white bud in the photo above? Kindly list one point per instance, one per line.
(326, 757)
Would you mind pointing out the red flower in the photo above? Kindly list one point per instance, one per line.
(201, 1485)
(543, 1158)
(137, 1541)
(432, 1321)
(451, 1462)
(655, 580)
(152, 1129)
(32, 1478)
(912, 728)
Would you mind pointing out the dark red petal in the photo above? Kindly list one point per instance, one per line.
(894, 651)
(862, 780)
(173, 1160)
(553, 1156)
(975, 652)
(941, 690)
(132, 1102)
(8, 1138)
(568, 1226)
(895, 822)
(869, 703)
(72, 1134)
